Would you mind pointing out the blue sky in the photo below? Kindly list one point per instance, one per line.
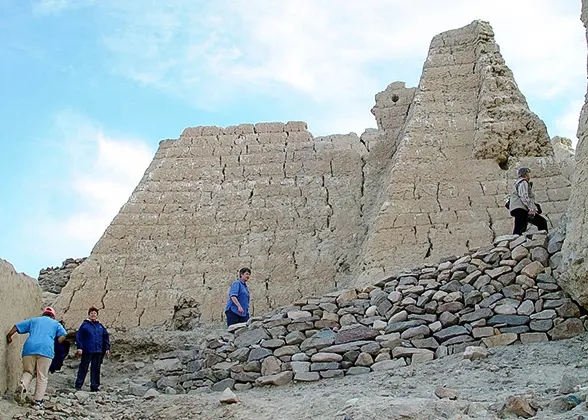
(89, 87)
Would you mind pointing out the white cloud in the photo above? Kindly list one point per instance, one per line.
(100, 171)
(335, 54)
(567, 123)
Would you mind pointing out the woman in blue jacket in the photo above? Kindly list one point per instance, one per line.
(93, 342)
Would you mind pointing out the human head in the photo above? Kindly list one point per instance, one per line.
(523, 172)
(244, 273)
(93, 312)
(49, 311)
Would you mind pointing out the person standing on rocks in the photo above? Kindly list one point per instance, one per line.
(93, 343)
(37, 352)
(237, 308)
(522, 204)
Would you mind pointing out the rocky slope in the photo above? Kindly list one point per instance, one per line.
(542, 375)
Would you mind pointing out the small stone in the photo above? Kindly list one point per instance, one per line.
(228, 397)
(475, 352)
(500, 340)
(483, 332)
(447, 393)
(505, 310)
(519, 406)
(568, 383)
(326, 357)
(568, 310)
(224, 384)
(151, 393)
(364, 359)
(526, 308)
(530, 338)
(533, 270)
(546, 314)
(567, 329)
(358, 370)
(388, 365)
(277, 379)
(307, 377)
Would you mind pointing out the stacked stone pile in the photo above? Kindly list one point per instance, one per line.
(495, 296)
(53, 279)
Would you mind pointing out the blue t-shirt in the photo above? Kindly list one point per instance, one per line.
(239, 289)
(42, 333)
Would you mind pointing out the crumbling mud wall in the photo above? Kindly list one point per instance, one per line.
(268, 196)
(467, 130)
(313, 215)
(20, 298)
(574, 278)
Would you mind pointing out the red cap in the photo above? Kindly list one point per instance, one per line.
(49, 310)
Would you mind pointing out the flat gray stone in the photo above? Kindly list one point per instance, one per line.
(388, 365)
(249, 337)
(307, 377)
(510, 320)
(355, 333)
(358, 370)
(447, 333)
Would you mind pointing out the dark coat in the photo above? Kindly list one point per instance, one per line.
(92, 337)
(61, 352)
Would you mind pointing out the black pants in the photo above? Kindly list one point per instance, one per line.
(94, 359)
(522, 218)
(233, 318)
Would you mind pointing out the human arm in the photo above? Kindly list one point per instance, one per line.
(60, 333)
(106, 342)
(523, 192)
(22, 327)
(12, 331)
(236, 302)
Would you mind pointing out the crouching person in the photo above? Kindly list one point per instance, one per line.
(93, 343)
(37, 352)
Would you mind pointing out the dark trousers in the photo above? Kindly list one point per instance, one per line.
(95, 360)
(233, 318)
(522, 219)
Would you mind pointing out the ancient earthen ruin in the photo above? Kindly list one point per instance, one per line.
(369, 253)
(20, 298)
(575, 260)
(313, 215)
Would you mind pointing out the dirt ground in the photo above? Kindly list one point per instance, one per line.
(533, 372)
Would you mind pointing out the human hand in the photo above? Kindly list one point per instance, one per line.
(79, 352)
(8, 338)
(241, 310)
(107, 353)
(532, 212)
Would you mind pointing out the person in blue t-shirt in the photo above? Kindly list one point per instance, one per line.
(37, 352)
(237, 309)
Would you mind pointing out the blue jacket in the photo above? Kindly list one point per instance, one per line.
(92, 337)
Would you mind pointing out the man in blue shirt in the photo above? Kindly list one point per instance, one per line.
(237, 309)
(37, 352)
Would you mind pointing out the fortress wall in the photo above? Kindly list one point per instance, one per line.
(312, 215)
(446, 189)
(20, 298)
(268, 196)
(575, 248)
